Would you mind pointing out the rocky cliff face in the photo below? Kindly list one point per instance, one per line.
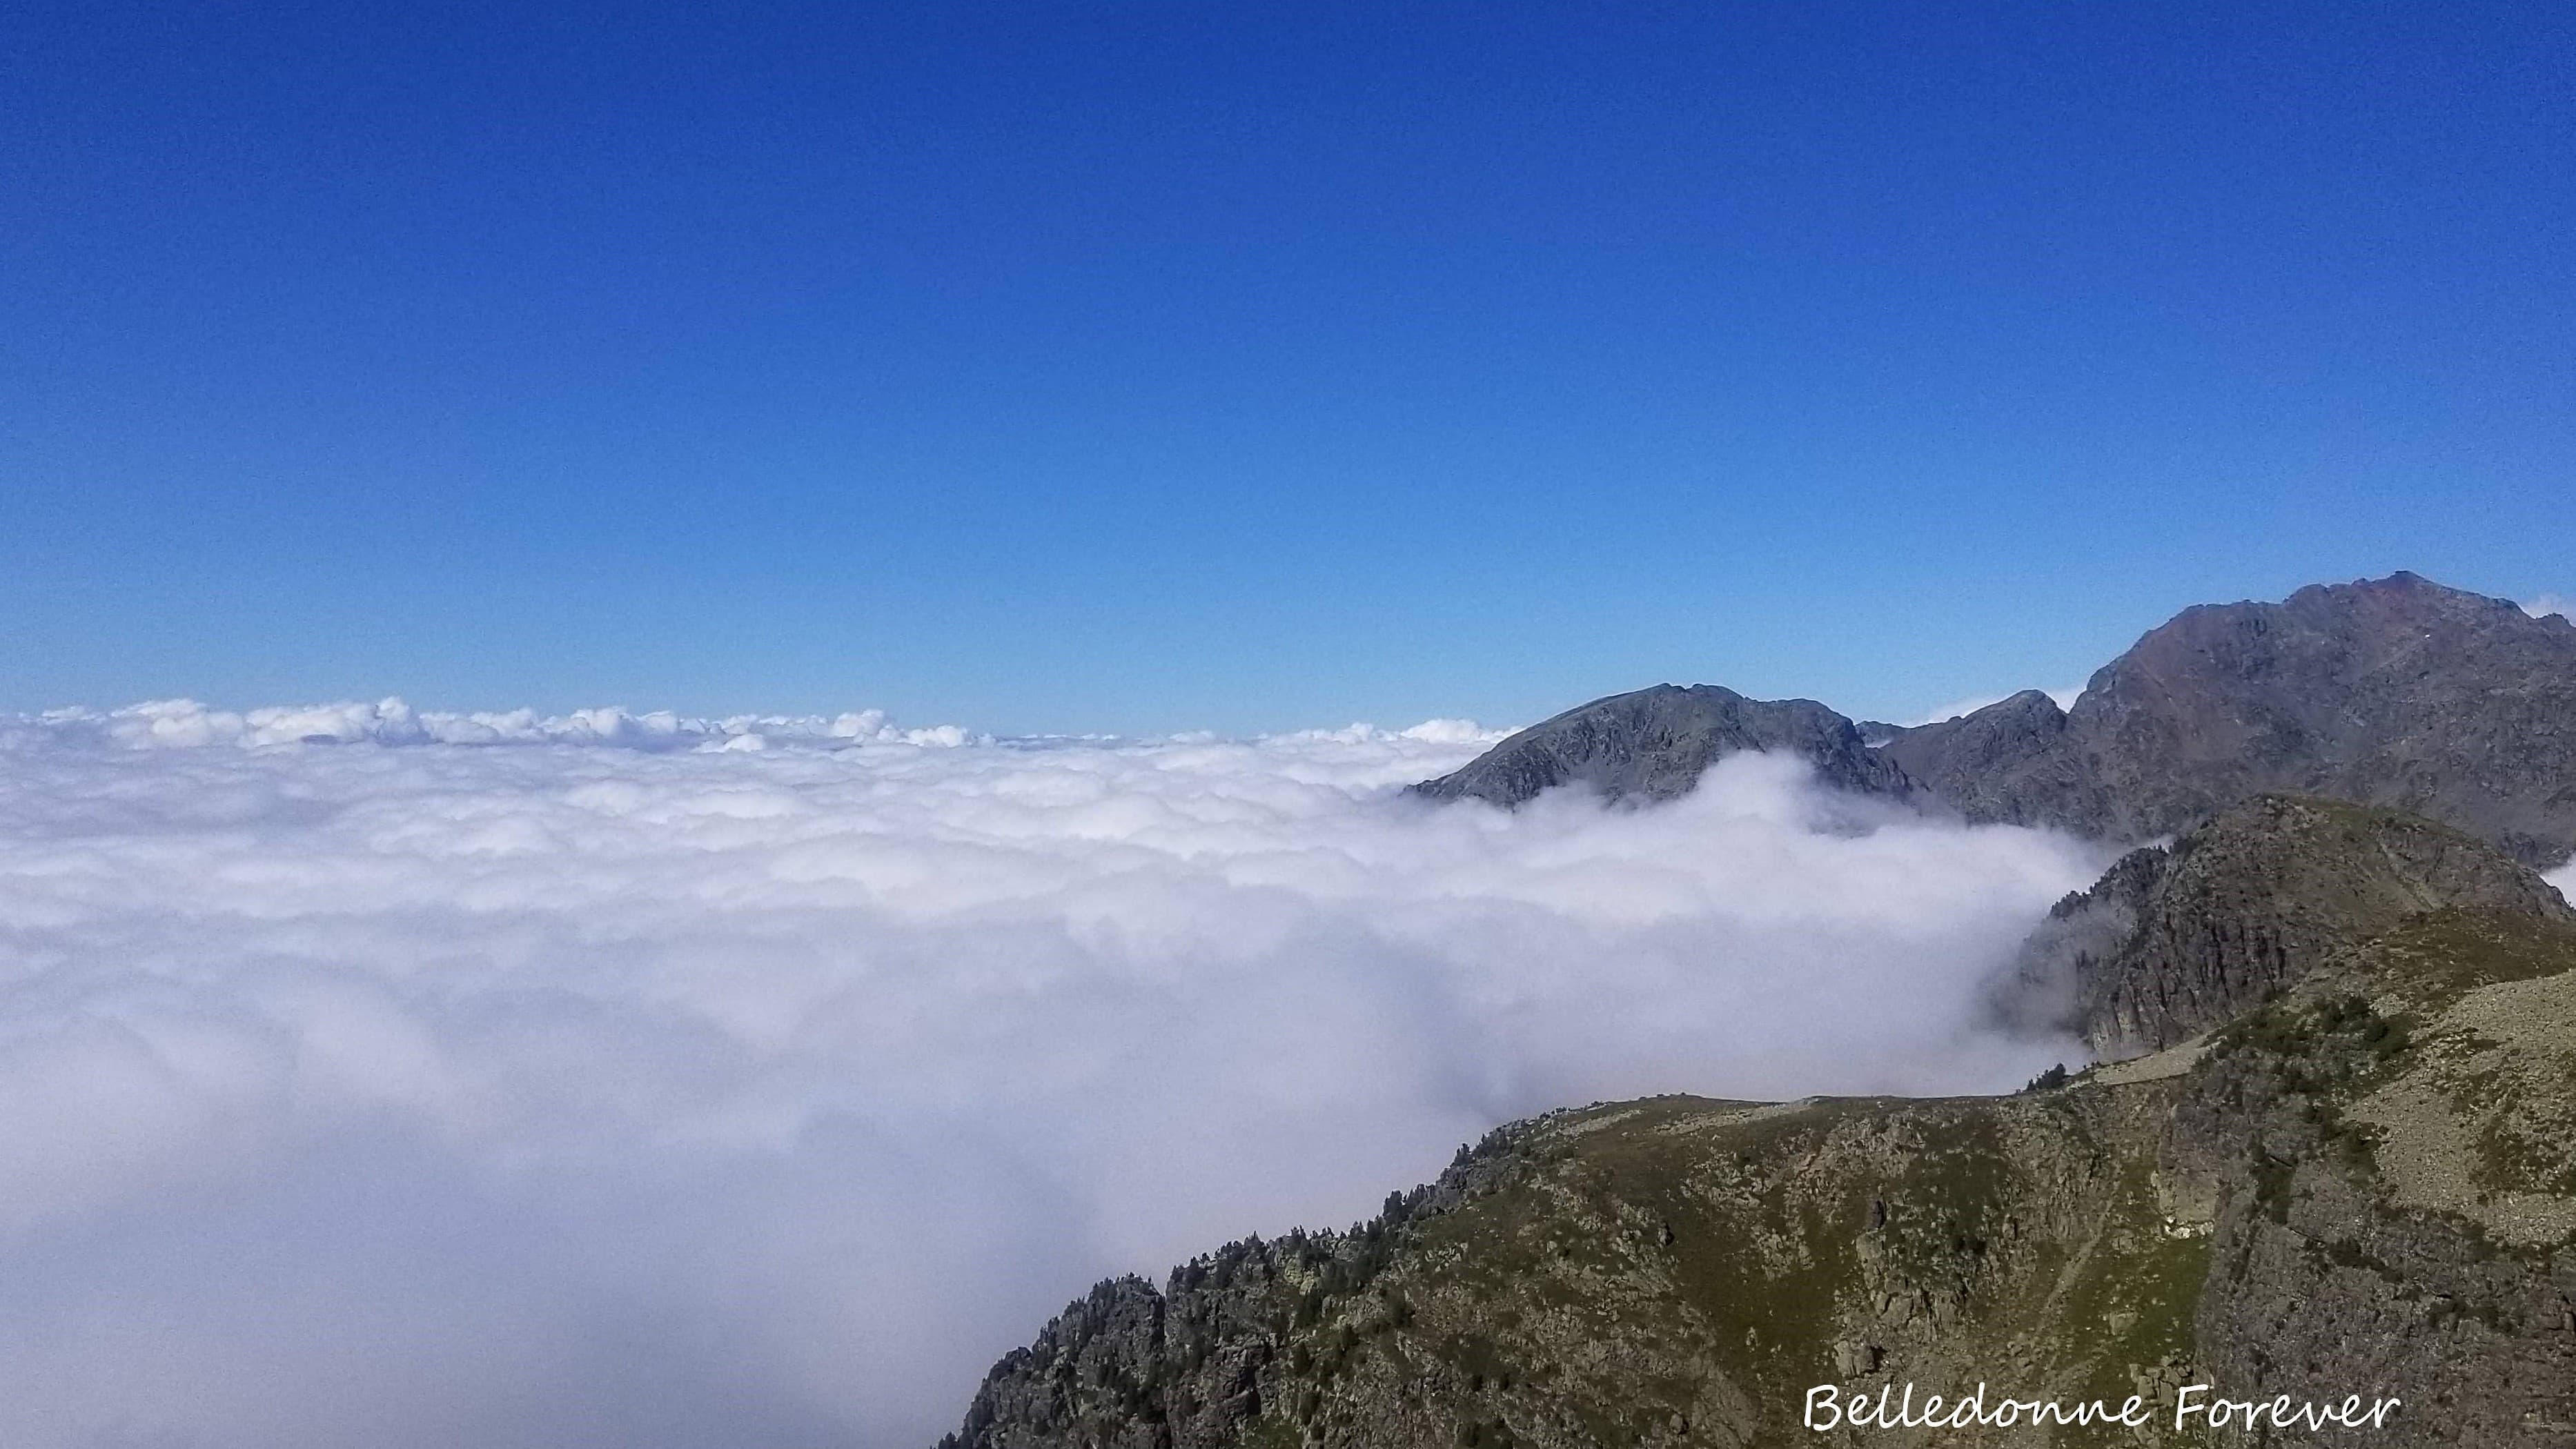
(2172, 942)
(2362, 1186)
(1654, 743)
(2394, 691)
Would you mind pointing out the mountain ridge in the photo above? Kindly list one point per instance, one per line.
(1652, 744)
(2397, 691)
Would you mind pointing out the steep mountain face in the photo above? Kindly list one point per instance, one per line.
(2172, 942)
(2361, 1187)
(2393, 691)
(1652, 745)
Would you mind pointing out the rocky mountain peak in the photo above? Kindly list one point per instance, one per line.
(2396, 691)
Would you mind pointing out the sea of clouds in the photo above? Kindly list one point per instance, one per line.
(372, 1076)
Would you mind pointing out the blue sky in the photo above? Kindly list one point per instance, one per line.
(1140, 367)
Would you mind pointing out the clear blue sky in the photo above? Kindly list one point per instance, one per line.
(1103, 366)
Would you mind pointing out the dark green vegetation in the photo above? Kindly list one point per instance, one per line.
(2360, 1183)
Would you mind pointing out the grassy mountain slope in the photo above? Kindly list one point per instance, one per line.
(2362, 1185)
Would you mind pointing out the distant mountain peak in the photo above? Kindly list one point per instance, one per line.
(2396, 691)
(1652, 744)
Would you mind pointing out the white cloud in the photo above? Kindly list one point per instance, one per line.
(615, 1083)
(2548, 604)
(186, 724)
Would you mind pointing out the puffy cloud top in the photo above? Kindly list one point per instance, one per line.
(184, 723)
(625, 1079)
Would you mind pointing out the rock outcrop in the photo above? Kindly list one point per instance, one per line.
(2362, 1186)
(1653, 744)
(2173, 941)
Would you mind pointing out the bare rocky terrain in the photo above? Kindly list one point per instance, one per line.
(2173, 941)
(2396, 691)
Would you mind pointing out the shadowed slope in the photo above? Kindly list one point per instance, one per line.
(2172, 942)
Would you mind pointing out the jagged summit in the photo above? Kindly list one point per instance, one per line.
(2397, 691)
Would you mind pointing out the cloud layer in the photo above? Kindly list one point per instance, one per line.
(622, 1080)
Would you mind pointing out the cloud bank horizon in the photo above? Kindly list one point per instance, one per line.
(617, 1079)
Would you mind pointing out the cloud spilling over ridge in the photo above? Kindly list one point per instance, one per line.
(422, 1092)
